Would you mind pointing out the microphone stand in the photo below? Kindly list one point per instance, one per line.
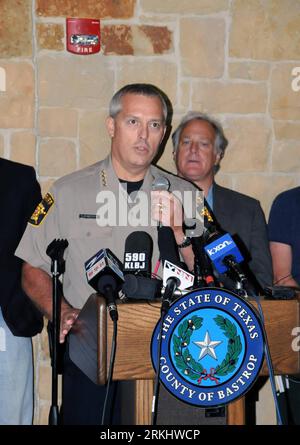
(55, 251)
(199, 261)
(243, 288)
(107, 287)
(170, 288)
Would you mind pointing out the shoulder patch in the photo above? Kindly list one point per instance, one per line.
(42, 209)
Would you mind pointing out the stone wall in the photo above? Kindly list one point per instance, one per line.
(231, 58)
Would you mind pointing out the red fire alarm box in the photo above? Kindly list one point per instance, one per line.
(83, 36)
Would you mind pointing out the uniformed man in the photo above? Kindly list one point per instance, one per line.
(136, 126)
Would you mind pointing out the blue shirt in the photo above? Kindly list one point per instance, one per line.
(284, 225)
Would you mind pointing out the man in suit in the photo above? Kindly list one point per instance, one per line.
(19, 320)
(199, 145)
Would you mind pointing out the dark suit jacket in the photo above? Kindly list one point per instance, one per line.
(243, 218)
(19, 195)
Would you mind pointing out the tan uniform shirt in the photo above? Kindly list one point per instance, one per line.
(77, 194)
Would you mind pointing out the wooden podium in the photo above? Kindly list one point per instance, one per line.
(90, 341)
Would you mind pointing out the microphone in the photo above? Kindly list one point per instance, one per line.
(172, 284)
(160, 183)
(203, 271)
(107, 286)
(104, 274)
(169, 253)
(174, 278)
(185, 279)
(167, 245)
(138, 283)
(223, 252)
(226, 257)
(138, 287)
(138, 253)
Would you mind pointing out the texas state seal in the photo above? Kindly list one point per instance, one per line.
(212, 347)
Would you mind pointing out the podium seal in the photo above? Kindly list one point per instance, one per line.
(212, 347)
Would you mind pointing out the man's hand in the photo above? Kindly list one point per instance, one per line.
(68, 318)
(167, 209)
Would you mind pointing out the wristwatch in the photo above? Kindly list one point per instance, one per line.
(185, 243)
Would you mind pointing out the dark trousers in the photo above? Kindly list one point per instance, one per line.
(82, 400)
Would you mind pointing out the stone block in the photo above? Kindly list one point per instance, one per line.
(17, 102)
(117, 39)
(263, 187)
(16, 28)
(249, 70)
(57, 157)
(229, 97)
(83, 8)
(22, 147)
(137, 40)
(93, 138)
(267, 30)
(166, 159)
(286, 157)
(184, 6)
(249, 145)
(185, 94)
(57, 122)
(286, 130)
(284, 102)
(75, 82)
(50, 36)
(205, 56)
(161, 73)
(158, 38)
(225, 180)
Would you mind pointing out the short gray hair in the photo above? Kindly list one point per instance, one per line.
(220, 141)
(144, 89)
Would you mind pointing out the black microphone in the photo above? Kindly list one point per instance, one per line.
(230, 262)
(107, 286)
(160, 183)
(104, 274)
(138, 283)
(167, 245)
(172, 284)
(138, 287)
(168, 252)
(203, 270)
(138, 253)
